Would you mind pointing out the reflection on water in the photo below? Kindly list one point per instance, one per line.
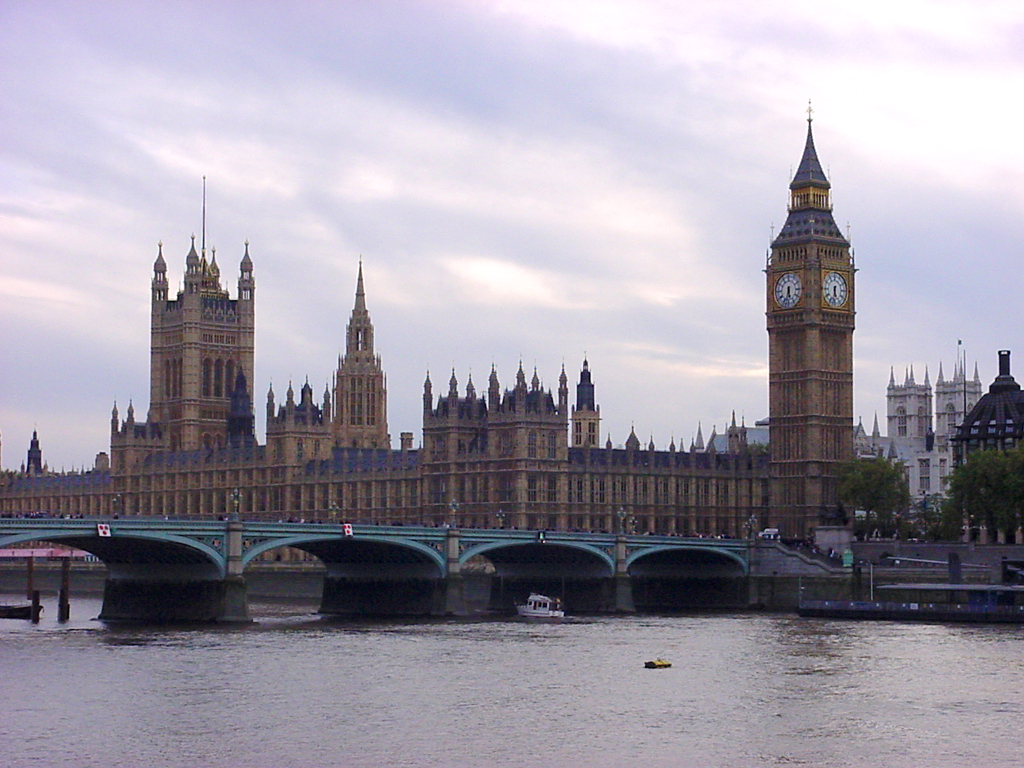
(295, 690)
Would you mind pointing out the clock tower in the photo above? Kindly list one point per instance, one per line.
(810, 316)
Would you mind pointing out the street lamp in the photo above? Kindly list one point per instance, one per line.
(501, 518)
(236, 500)
(334, 511)
(622, 520)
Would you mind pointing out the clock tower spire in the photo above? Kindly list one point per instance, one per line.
(810, 319)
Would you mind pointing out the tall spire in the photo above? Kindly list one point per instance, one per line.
(810, 205)
(360, 295)
(204, 217)
(809, 172)
(360, 329)
(360, 391)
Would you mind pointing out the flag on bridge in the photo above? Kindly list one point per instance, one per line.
(346, 528)
(103, 530)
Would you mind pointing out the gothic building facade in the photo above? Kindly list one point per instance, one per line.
(516, 457)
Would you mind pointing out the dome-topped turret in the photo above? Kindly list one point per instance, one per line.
(997, 419)
(192, 260)
(160, 266)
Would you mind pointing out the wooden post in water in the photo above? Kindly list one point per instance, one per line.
(31, 586)
(64, 600)
(36, 608)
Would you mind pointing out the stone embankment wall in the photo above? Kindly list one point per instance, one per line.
(779, 574)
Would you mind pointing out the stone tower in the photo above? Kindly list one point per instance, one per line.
(200, 340)
(810, 318)
(360, 387)
(909, 407)
(954, 399)
(586, 415)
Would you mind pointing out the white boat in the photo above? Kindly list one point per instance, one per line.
(541, 607)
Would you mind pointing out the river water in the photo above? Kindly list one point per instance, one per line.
(291, 691)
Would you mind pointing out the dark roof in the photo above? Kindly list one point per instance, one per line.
(999, 414)
(809, 172)
(346, 460)
(810, 224)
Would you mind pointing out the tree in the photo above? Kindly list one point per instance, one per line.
(878, 487)
(988, 490)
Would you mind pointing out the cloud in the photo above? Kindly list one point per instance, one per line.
(522, 181)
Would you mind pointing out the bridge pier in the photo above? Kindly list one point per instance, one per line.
(179, 593)
(454, 585)
(178, 601)
(623, 583)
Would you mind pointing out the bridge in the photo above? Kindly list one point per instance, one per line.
(194, 571)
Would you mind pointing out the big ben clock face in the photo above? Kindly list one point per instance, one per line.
(787, 290)
(834, 289)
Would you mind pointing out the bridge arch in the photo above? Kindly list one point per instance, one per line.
(335, 550)
(127, 551)
(492, 550)
(666, 577)
(688, 553)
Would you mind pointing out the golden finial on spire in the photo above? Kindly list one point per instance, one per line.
(810, 111)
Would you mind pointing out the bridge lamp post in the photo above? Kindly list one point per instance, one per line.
(334, 511)
(501, 518)
(236, 500)
(622, 520)
(116, 504)
(751, 525)
(454, 516)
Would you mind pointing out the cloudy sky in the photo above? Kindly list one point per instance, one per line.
(524, 181)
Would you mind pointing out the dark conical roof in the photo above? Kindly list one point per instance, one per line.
(809, 172)
(192, 257)
(999, 414)
(810, 213)
(360, 305)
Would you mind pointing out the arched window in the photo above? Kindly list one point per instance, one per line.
(229, 378)
(218, 379)
(207, 375)
(901, 422)
(531, 445)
